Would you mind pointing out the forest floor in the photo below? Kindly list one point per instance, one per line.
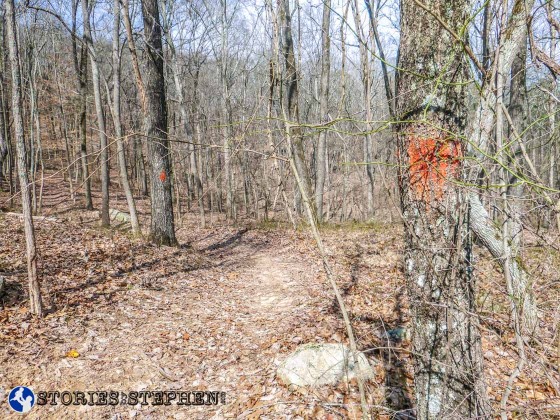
(221, 311)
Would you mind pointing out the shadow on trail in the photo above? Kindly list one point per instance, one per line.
(387, 347)
(236, 237)
(396, 390)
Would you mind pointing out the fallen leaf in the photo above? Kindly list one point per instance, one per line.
(73, 353)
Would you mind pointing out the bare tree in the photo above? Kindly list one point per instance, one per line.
(323, 108)
(226, 110)
(194, 178)
(155, 123)
(480, 130)
(117, 121)
(35, 303)
(290, 104)
(365, 73)
(3, 141)
(101, 129)
(446, 343)
(80, 65)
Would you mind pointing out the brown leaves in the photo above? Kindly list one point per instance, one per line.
(232, 275)
(222, 326)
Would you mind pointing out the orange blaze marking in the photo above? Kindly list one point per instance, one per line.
(162, 176)
(432, 161)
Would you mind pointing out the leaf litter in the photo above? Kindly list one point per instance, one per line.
(221, 312)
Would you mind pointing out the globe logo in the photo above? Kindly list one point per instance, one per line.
(21, 399)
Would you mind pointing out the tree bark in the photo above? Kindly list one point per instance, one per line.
(480, 130)
(101, 129)
(226, 114)
(388, 92)
(155, 123)
(135, 225)
(366, 82)
(35, 303)
(446, 342)
(3, 140)
(323, 109)
(517, 112)
(80, 65)
(291, 106)
(195, 178)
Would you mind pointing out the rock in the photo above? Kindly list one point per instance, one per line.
(2, 285)
(119, 216)
(315, 365)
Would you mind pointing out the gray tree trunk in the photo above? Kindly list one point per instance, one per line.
(80, 65)
(195, 179)
(446, 342)
(3, 140)
(64, 130)
(553, 173)
(155, 123)
(101, 129)
(383, 60)
(226, 114)
(491, 237)
(291, 106)
(196, 156)
(366, 82)
(135, 225)
(480, 130)
(35, 303)
(323, 109)
(517, 111)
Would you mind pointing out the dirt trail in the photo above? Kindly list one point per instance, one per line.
(218, 313)
(222, 326)
(276, 288)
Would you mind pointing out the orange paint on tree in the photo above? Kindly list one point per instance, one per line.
(432, 162)
(162, 176)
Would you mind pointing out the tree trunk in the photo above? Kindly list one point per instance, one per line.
(155, 123)
(516, 109)
(80, 65)
(291, 108)
(102, 133)
(323, 109)
(196, 155)
(226, 115)
(479, 131)
(366, 82)
(552, 174)
(118, 122)
(3, 140)
(387, 84)
(64, 132)
(35, 303)
(195, 179)
(5, 146)
(446, 342)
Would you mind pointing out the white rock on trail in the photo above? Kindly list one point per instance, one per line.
(315, 365)
(119, 216)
